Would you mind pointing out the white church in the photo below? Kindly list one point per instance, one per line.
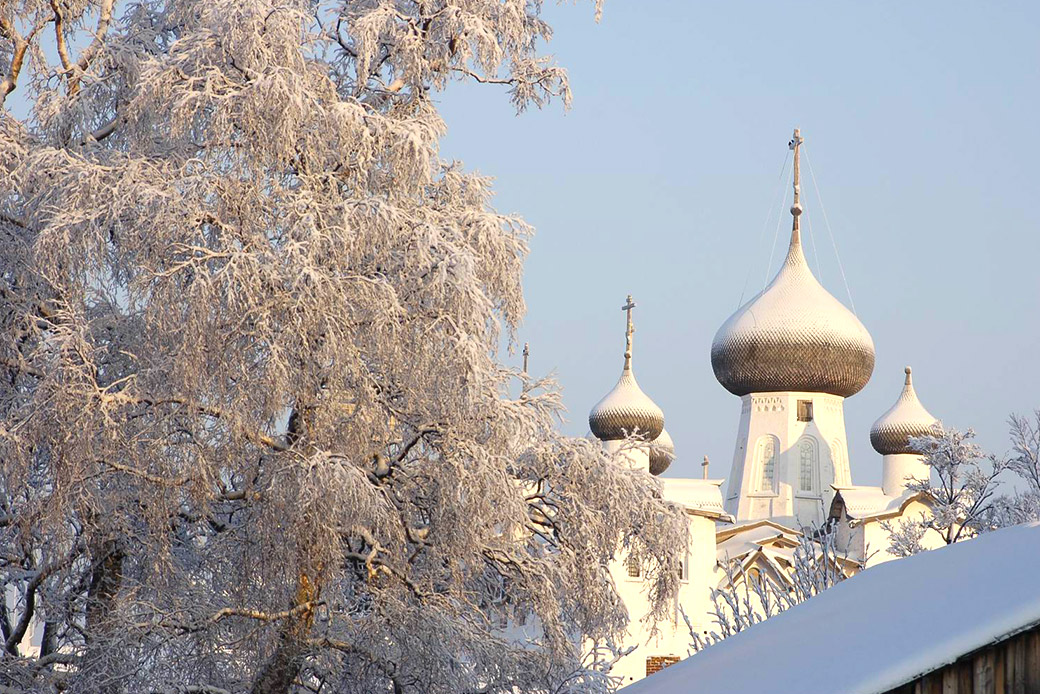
(792, 354)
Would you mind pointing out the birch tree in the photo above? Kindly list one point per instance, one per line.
(1022, 504)
(962, 501)
(256, 434)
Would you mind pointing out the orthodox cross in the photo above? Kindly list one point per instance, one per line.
(796, 206)
(627, 308)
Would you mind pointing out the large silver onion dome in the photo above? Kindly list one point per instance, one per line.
(626, 410)
(662, 454)
(892, 431)
(793, 336)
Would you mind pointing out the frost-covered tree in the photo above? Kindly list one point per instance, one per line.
(255, 432)
(960, 504)
(747, 597)
(1022, 505)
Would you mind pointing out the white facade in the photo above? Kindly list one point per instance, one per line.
(703, 503)
(898, 469)
(791, 448)
(629, 453)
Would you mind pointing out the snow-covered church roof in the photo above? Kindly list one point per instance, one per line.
(699, 497)
(897, 621)
(869, 503)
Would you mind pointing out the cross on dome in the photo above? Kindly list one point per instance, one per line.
(629, 330)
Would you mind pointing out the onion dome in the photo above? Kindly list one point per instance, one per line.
(793, 336)
(662, 453)
(892, 431)
(626, 410)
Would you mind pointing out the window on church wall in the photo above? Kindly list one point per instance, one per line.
(634, 569)
(805, 410)
(807, 466)
(766, 463)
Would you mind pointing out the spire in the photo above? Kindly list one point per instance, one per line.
(793, 336)
(909, 381)
(796, 207)
(527, 353)
(627, 308)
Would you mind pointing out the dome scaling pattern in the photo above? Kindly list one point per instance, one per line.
(892, 431)
(793, 336)
(624, 411)
(662, 454)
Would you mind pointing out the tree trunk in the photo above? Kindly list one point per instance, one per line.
(106, 577)
(278, 675)
(281, 670)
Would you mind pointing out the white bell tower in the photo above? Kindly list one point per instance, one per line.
(793, 353)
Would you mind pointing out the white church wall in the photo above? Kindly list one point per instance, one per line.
(629, 452)
(30, 644)
(876, 541)
(898, 468)
(790, 450)
(694, 598)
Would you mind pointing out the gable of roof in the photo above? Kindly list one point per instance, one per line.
(726, 533)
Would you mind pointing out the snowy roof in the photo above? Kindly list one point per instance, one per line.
(871, 503)
(888, 636)
(701, 497)
(756, 530)
(749, 537)
(867, 503)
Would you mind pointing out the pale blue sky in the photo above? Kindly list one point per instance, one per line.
(920, 121)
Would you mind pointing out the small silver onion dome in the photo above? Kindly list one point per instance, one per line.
(626, 410)
(892, 431)
(793, 336)
(662, 454)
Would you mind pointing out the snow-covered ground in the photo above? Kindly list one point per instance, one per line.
(879, 629)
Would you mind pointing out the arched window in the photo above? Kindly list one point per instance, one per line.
(807, 465)
(766, 457)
